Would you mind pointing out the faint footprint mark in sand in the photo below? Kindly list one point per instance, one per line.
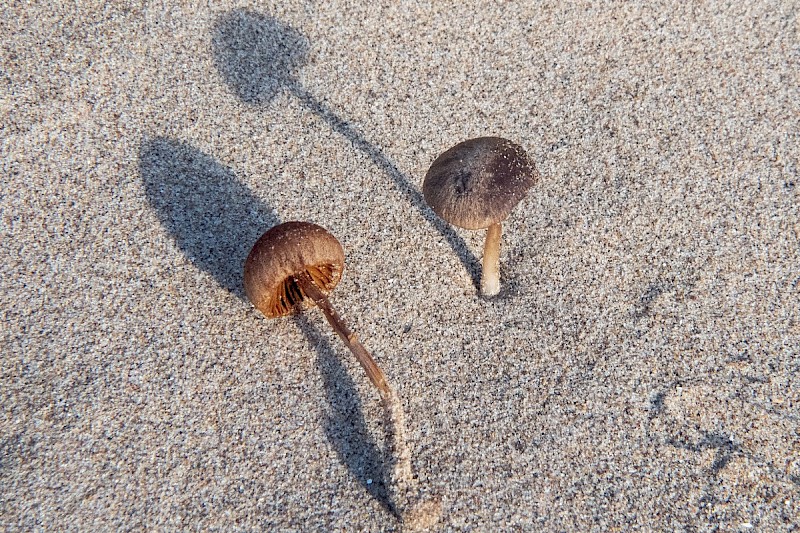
(682, 416)
(724, 446)
(746, 453)
(653, 291)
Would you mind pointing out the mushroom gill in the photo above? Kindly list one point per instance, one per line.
(290, 298)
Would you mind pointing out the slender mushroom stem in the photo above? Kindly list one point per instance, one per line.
(410, 508)
(375, 374)
(490, 279)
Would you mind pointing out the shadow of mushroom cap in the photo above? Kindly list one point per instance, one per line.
(478, 182)
(257, 55)
(284, 252)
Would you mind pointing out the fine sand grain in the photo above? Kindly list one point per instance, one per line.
(638, 371)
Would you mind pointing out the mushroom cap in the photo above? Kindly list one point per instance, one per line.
(282, 253)
(478, 182)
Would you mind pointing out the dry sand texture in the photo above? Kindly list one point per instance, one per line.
(638, 371)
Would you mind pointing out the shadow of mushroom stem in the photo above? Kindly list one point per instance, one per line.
(295, 264)
(413, 511)
(260, 57)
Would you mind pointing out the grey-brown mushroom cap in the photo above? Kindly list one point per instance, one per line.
(478, 182)
(284, 252)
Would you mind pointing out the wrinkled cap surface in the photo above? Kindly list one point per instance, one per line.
(478, 182)
(282, 253)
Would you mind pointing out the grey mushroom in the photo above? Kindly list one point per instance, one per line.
(475, 185)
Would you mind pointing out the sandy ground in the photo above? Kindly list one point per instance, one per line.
(639, 371)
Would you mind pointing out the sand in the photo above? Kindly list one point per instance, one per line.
(638, 371)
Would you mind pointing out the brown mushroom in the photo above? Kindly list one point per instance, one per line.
(294, 265)
(297, 264)
(475, 185)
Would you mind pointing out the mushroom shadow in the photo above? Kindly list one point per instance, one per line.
(213, 216)
(258, 57)
(345, 426)
(215, 219)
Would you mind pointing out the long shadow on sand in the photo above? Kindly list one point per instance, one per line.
(213, 216)
(215, 219)
(345, 426)
(258, 57)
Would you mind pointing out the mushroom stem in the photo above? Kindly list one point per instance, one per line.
(490, 279)
(375, 374)
(402, 478)
(411, 508)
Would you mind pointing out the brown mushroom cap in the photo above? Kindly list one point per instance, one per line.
(282, 253)
(478, 182)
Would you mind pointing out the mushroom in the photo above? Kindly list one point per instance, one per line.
(297, 264)
(294, 265)
(475, 185)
